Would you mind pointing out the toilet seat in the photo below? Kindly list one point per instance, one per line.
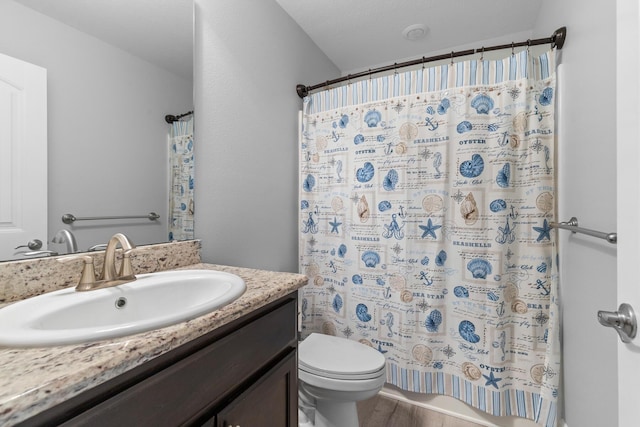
(339, 358)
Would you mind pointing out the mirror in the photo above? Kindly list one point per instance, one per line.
(107, 135)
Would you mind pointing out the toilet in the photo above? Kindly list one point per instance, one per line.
(333, 374)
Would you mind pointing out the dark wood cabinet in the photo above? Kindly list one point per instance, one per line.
(242, 374)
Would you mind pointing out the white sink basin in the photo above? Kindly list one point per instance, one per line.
(153, 301)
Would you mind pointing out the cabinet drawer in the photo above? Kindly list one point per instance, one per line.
(199, 382)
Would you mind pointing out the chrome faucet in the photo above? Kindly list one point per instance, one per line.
(66, 236)
(108, 277)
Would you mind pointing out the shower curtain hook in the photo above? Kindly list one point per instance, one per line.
(482, 54)
(369, 73)
(451, 58)
(528, 46)
(512, 47)
(395, 68)
(423, 58)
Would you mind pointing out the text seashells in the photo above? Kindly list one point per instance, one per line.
(441, 258)
(504, 175)
(468, 331)
(363, 209)
(461, 292)
(365, 173)
(479, 268)
(372, 118)
(471, 371)
(384, 205)
(308, 183)
(337, 303)
(433, 321)
(362, 313)
(390, 180)
(464, 126)
(472, 168)
(498, 205)
(482, 103)
(370, 259)
(469, 209)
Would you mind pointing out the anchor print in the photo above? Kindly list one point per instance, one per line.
(514, 214)
(402, 213)
(541, 285)
(504, 140)
(427, 280)
(388, 150)
(387, 292)
(432, 126)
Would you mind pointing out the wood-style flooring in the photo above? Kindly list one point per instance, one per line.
(382, 411)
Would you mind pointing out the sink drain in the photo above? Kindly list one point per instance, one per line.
(121, 302)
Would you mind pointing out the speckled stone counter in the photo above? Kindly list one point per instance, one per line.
(32, 380)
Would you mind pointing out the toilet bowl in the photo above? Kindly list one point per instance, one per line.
(333, 374)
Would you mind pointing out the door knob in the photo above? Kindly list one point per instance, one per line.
(623, 321)
(33, 245)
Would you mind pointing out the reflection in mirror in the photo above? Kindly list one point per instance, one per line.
(106, 103)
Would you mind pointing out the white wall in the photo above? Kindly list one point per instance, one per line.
(587, 167)
(106, 129)
(249, 57)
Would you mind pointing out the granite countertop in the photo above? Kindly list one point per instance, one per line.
(35, 379)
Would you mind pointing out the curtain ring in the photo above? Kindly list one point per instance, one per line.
(451, 58)
(423, 58)
(482, 54)
(369, 73)
(512, 47)
(395, 68)
(528, 45)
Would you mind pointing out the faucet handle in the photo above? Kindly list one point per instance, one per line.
(126, 269)
(88, 276)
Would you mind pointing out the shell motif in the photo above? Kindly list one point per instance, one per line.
(479, 268)
(397, 282)
(328, 328)
(504, 175)
(432, 203)
(390, 181)
(406, 296)
(365, 173)
(544, 201)
(365, 342)
(380, 138)
(422, 354)
(433, 321)
(498, 205)
(362, 313)
(546, 97)
(441, 258)
(337, 303)
(363, 209)
(520, 122)
(358, 139)
(471, 371)
(472, 168)
(400, 149)
(464, 127)
(308, 183)
(430, 110)
(482, 103)
(384, 205)
(444, 106)
(461, 292)
(510, 293)
(537, 373)
(469, 209)
(372, 118)
(304, 204)
(342, 251)
(408, 131)
(344, 121)
(425, 260)
(318, 281)
(370, 259)
(312, 270)
(492, 296)
(356, 279)
(337, 204)
(519, 306)
(468, 331)
(542, 268)
(437, 365)
(514, 141)
(380, 281)
(321, 143)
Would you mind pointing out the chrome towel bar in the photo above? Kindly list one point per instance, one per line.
(572, 225)
(70, 218)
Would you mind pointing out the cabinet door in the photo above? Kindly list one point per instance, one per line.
(271, 402)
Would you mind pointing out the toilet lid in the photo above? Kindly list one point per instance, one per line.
(339, 357)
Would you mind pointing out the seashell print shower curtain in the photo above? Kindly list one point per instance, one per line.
(181, 206)
(425, 204)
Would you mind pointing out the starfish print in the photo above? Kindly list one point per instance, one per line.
(430, 229)
(544, 231)
(492, 380)
(334, 225)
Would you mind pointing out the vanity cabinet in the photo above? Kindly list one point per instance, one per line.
(241, 374)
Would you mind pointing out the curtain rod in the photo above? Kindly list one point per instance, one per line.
(556, 40)
(169, 118)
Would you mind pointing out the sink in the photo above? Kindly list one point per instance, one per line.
(153, 301)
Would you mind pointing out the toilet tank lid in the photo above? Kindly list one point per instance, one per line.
(338, 355)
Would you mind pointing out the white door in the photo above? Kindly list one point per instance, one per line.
(628, 195)
(23, 155)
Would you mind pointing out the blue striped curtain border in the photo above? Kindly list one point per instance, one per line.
(473, 72)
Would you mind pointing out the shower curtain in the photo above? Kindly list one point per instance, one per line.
(181, 205)
(425, 203)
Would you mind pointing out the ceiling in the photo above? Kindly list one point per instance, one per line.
(354, 34)
(158, 31)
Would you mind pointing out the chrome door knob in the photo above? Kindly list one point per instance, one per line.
(623, 321)
(33, 245)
